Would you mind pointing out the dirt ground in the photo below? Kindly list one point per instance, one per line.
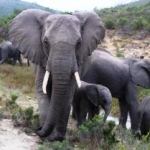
(12, 138)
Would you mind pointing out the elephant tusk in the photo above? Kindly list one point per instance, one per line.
(45, 81)
(77, 77)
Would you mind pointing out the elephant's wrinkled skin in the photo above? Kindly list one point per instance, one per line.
(8, 50)
(144, 116)
(87, 100)
(121, 76)
(59, 44)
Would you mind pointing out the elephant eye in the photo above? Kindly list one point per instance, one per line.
(46, 43)
(78, 43)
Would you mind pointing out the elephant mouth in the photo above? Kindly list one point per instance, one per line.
(46, 77)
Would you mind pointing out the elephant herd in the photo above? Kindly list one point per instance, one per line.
(72, 71)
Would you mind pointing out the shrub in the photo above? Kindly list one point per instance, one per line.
(119, 54)
(95, 133)
(122, 22)
(14, 96)
(64, 145)
(139, 24)
(109, 24)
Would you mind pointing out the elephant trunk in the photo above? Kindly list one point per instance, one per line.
(107, 111)
(62, 76)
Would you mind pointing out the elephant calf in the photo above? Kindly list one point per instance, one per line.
(87, 100)
(7, 50)
(144, 116)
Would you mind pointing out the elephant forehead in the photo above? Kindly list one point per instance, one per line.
(63, 29)
(63, 19)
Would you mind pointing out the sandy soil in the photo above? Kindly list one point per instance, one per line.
(12, 138)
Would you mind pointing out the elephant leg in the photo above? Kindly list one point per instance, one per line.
(94, 110)
(14, 61)
(2, 61)
(60, 130)
(20, 61)
(73, 114)
(123, 112)
(4, 58)
(132, 101)
(43, 99)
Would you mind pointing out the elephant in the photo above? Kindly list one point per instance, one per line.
(59, 45)
(144, 116)
(87, 100)
(121, 76)
(8, 50)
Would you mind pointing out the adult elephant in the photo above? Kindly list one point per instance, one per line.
(144, 116)
(8, 50)
(87, 100)
(59, 45)
(121, 76)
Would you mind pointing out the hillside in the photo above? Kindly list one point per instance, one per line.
(138, 3)
(7, 7)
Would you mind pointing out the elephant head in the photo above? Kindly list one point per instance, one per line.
(60, 43)
(140, 72)
(99, 95)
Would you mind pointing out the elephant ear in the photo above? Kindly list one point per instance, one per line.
(140, 72)
(92, 32)
(25, 32)
(91, 93)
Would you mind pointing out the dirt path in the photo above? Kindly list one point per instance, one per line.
(12, 138)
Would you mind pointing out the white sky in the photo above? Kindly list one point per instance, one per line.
(72, 5)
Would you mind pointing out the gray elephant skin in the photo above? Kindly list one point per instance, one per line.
(121, 76)
(144, 116)
(59, 44)
(87, 100)
(8, 50)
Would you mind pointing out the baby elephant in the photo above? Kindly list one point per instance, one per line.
(87, 100)
(7, 50)
(144, 116)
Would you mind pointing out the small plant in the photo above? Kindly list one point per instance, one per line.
(28, 114)
(94, 133)
(14, 96)
(119, 54)
(26, 118)
(145, 138)
(64, 145)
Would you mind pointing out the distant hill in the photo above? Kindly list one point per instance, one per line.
(8, 6)
(135, 3)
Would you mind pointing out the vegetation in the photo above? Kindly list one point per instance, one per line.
(15, 83)
(137, 17)
(97, 135)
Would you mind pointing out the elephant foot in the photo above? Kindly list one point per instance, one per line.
(53, 138)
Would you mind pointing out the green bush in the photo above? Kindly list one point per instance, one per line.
(122, 22)
(94, 134)
(64, 145)
(119, 54)
(28, 114)
(139, 23)
(109, 24)
(14, 96)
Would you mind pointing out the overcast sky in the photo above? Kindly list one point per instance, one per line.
(72, 5)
